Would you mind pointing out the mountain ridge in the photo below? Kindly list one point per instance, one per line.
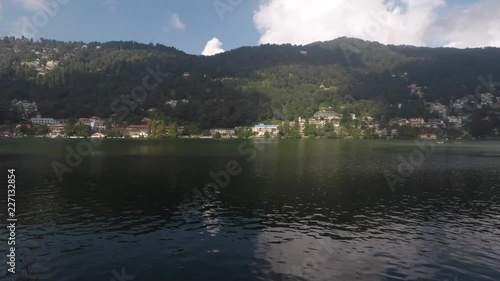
(240, 86)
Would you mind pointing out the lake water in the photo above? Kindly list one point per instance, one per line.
(286, 210)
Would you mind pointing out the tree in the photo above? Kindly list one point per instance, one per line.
(173, 130)
(160, 130)
(479, 126)
(311, 131)
(152, 130)
(191, 130)
(217, 136)
(408, 132)
(244, 133)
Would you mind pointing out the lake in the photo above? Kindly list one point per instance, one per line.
(264, 210)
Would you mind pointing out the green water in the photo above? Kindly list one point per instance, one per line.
(263, 210)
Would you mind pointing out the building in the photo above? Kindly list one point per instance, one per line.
(26, 108)
(98, 136)
(223, 132)
(435, 123)
(327, 115)
(487, 98)
(455, 121)
(416, 90)
(324, 116)
(173, 103)
(56, 134)
(7, 135)
(437, 107)
(261, 129)
(51, 65)
(416, 122)
(428, 136)
(399, 122)
(94, 122)
(138, 131)
(43, 121)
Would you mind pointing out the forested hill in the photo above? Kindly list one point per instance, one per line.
(242, 86)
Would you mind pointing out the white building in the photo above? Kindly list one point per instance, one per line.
(26, 108)
(98, 136)
(261, 129)
(95, 123)
(173, 103)
(43, 121)
(437, 107)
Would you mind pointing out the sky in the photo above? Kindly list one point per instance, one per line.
(209, 27)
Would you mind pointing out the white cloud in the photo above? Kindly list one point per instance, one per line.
(111, 4)
(33, 5)
(176, 22)
(213, 47)
(16, 28)
(413, 22)
(475, 26)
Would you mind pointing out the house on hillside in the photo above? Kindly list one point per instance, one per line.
(95, 123)
(437, 107)
(7, 135)
(43, 121)
(455, 121)
(138, 131)
(223, 132)
(261, 129)
(98, 136)
(428, 136)
(321, 117)
(435, 123)
(399, 122)
(417, 122)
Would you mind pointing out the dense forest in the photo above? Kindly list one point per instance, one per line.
(239, 87)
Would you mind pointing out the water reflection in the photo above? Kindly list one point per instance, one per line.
(310, 210)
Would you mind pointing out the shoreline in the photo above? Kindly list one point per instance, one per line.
(439, 141)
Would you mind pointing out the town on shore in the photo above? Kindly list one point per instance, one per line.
(325, 123)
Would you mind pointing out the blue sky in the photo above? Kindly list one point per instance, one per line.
(188, 25)
(144, 21)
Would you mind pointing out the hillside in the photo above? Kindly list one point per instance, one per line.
(239, 87)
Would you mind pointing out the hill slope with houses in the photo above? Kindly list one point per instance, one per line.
(372, 89)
